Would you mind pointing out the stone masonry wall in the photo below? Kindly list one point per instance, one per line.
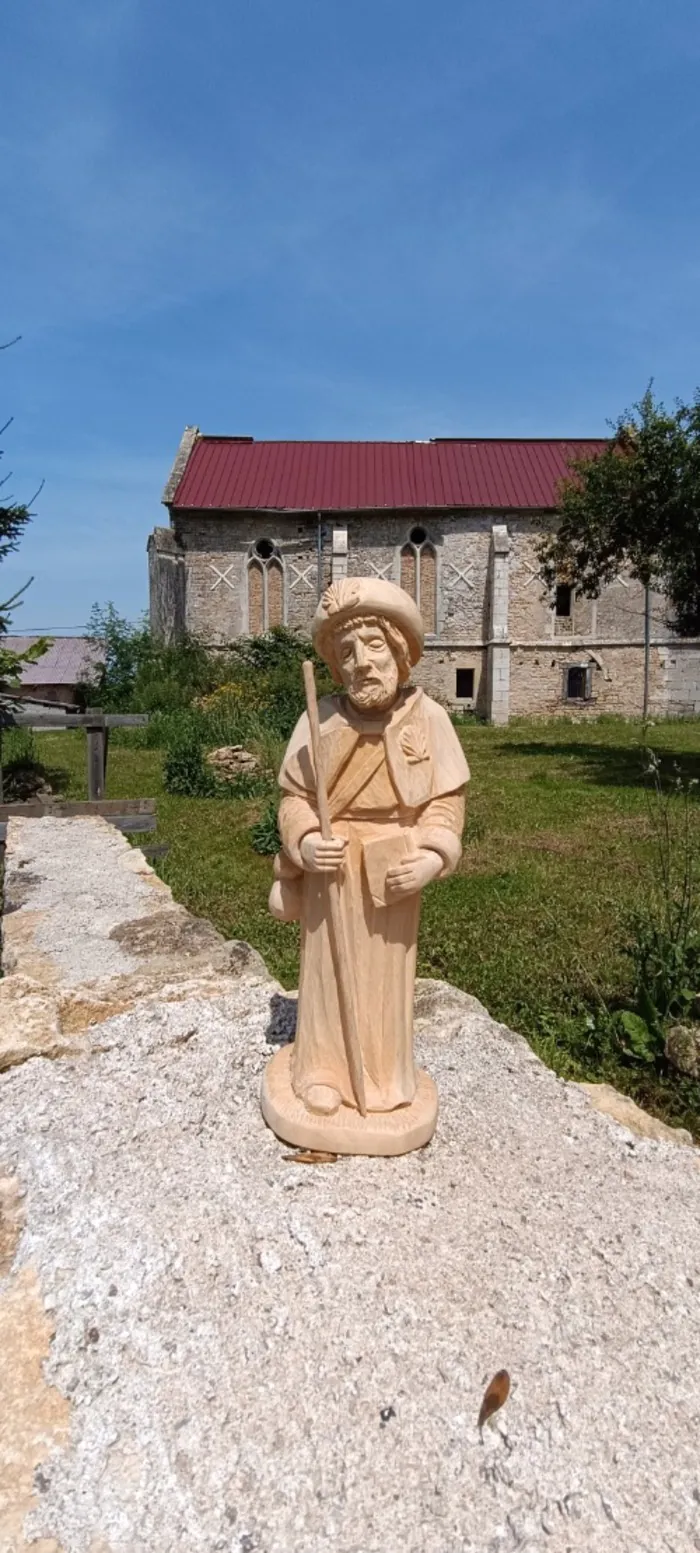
(217, 550)
(462, 543)
(437, 673)
(537, 681)
(216, 555)
(531, 617)
(533, 648)
(166, 585)
(680, 668)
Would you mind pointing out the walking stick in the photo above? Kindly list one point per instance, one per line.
(339, 948)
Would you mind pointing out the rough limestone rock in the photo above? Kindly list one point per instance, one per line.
(89, 929)
(626, 1111)
(683, 1049)
(259, 1356)
(232, 761)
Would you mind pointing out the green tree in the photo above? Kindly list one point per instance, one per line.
(139, 674)
(635, 504)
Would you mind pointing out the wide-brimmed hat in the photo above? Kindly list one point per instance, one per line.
(354, 596)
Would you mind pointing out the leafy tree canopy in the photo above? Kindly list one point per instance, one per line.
(138, 673)
(636, 504)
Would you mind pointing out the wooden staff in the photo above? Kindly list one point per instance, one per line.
(339, 948)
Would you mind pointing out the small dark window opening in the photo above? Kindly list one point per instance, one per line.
(577, 683)
(418, 536)
(562, 607)
(264, 549)
(465, 684)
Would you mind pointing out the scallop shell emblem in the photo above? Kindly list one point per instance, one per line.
(414, 744)
(340, 595)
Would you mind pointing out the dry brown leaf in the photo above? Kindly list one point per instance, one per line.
(495, 1395)
(310, 1157)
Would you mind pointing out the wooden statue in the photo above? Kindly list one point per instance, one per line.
(372, 810)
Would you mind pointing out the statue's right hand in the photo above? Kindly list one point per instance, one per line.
(319, 856)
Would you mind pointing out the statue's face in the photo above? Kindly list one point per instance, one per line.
(367, 666)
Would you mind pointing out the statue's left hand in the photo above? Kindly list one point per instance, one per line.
(413, 874)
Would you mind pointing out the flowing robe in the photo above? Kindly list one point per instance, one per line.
(378, 769)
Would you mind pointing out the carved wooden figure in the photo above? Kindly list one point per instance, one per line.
(372, 809)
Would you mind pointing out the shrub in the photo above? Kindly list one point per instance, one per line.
(233, 692)
(185, 771)
(249, 784)
(236, 699)
(266, 671)
(139, 673)
(24, 774)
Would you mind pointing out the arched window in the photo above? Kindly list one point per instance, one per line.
(265, 588)
(419, 575)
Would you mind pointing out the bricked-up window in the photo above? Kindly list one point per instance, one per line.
(464, 689)
(578, 682)
(563, 601)
(256, 598)
(408, 570)
(275, 594)
(419, 575)
(265, 588)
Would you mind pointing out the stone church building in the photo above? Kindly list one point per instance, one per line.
(258, 529)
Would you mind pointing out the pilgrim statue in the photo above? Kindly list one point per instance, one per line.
(372, 810)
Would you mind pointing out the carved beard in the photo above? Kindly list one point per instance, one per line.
(375, 693)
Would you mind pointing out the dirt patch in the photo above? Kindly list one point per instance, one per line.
(557, 843)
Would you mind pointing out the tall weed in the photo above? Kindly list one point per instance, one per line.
(661, 940)
(664, 944)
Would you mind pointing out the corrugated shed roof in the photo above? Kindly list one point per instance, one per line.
(67, 660)
(236, 473)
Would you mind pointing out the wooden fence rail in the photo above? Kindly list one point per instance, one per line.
(127, 814)
(96, 724)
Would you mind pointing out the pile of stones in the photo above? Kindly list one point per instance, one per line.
(232, 761)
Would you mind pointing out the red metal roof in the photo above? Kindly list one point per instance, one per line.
(230, 473)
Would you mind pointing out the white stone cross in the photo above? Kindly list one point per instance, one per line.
(301, 574)
(625, 582)
(221, 576)
(380, 571)
(464, 575)
(534, 576)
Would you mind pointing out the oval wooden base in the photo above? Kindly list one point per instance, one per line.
(381, 1132)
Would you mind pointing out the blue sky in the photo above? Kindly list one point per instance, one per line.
(296, 218)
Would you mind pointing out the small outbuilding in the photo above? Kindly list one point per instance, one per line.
(55, 677)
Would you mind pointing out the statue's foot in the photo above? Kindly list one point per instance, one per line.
(322, 1099)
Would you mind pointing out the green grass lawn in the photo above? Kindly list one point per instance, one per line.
(556, 847)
